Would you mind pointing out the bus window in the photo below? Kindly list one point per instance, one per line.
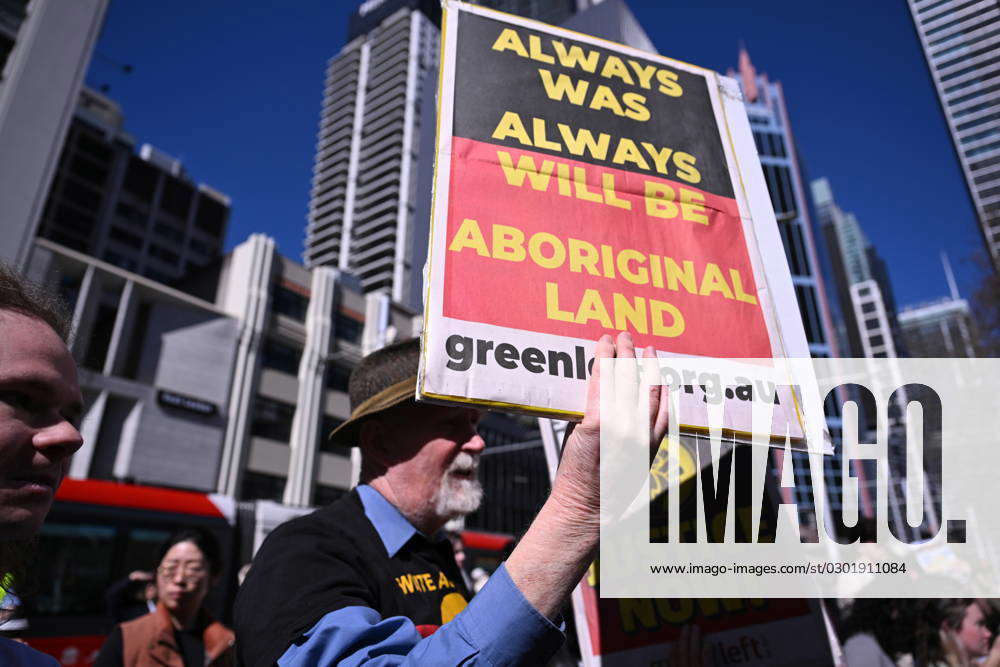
(74, 568)
(142, 549)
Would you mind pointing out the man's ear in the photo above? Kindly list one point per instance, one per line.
(374, 443)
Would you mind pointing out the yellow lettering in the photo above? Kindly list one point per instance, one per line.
(627, 151)
(509, 39)
(644, 72)
(580, 186)
(656, 311)
(535, 250)
(535, 48)
(639, 276)
(575, 90)
(405, 584)
(574, 57)
(592, 308)
(525, 167)
(637, 609)
(712, 281)
(661, 156)
(656, 268)
(674, 273)
(734, 275)
(469, 236)
(541, 141)
(660, 200)
(510, 126)
(676, 611)
(552, 304)
(685, 167)
(604, 98)
(693, 207)
(508, 243)
(668, 83)
(583, 255)
(583, 142)
(610, 196)
(636, 104)
(607, 261)
(562, 169)
(628, 312)
(614, 67)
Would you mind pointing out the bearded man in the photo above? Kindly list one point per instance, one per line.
(372, 578)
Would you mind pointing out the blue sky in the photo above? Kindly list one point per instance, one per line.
(234, 90)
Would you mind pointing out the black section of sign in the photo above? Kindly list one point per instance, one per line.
(187, 403)
(489, 83)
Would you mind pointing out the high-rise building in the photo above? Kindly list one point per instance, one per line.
(772, 132)
(941, 328)
(45, 46)
(370, 202)
(138, 211)
(861, 279)
(370, 199)
(961, 41)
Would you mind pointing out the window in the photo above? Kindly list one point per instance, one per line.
(260, 486)
(130, 214)
(868, 307)
(168, 256)
(337, 377)
(290, 303)
(125, 237)
(324, 495)
(272, 419)
(168, 231)
(876, 341)
(281, 357)
(810, 313)
(140, 178)
(81, 195)
(348, 328)
(326, 428)
(864, 291)
(211, 216)
(72, 586)
(176, 197)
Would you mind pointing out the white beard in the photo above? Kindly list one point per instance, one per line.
(456, 496)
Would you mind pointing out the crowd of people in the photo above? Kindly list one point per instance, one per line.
(373, 577)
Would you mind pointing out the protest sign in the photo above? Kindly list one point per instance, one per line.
(582, 188)
(735, 630)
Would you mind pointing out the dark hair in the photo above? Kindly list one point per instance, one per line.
(383, 368)
(898, 625)
(202, 539)
(27, 298)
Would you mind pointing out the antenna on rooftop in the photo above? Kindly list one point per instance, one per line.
(950, 276)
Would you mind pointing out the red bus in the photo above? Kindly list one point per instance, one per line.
(99, 531)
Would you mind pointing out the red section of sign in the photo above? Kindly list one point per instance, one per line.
(98, 492)
(621, 624)
(78, 651)
(548, 283)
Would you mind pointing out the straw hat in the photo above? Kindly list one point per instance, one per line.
(384, 379)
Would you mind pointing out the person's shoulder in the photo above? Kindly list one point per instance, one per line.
(334, 520)
(16, 654)
(863, 649)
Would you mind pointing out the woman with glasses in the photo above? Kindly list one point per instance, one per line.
(179, 632)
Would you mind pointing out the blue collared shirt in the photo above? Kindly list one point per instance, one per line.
(498, 627)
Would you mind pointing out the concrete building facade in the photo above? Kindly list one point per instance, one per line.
(136, 209)
(45, 48)
(961, 43)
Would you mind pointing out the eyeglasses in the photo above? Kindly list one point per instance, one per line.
(189, 571)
